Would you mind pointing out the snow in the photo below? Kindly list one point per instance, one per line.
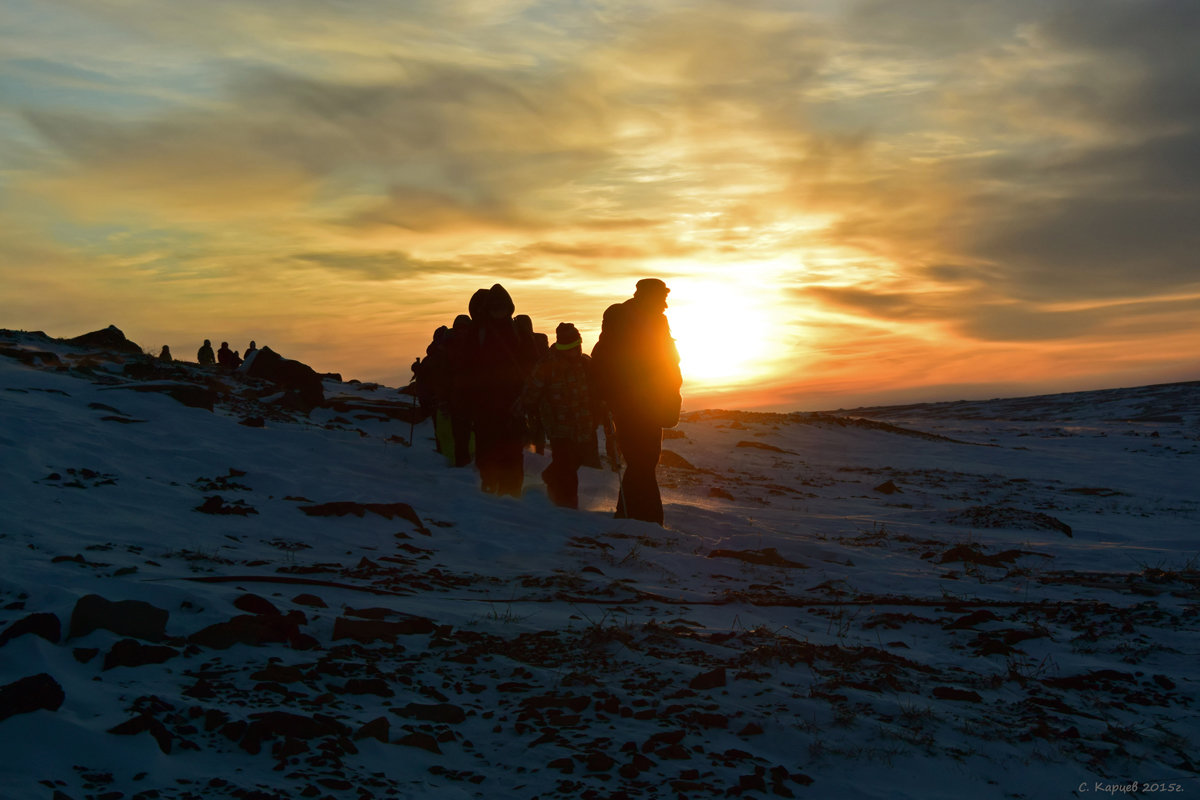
(944, 640)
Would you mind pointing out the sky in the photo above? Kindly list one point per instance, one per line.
(853, 202)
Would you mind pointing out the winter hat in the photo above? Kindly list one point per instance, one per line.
(652, 286)
(566, 336)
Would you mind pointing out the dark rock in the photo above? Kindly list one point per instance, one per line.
(201, 690)
(214, 718)
(751, 729)
(111, 339)
(85, 654)
(369, 613)
(445, 713)
(341, 508)
(764, 446)
(670, 738)
(33, 358)
(309, 600)
(278, 673)
(250, 629)
(671, 459)
(888, 487)
(217, 505)
(1089, 681)
(564, 765)
(30, 694)
(707, 720)
(950, 693)
(768, 556)
(253, 422)
(235, 731)
(376, 686)
(971, 620)
(378, 728)
(637, 765)
(190, 394)
(289, 747)
(366, 630)
(747, 783)
(709, 680)
(1005, 517)
(143, 723)
(46, 626)
(123, 617)
(600, 762)
(296, 726)
(252, 741)
(421, 740)
(301, 382)
(253, 604)
(132, 653)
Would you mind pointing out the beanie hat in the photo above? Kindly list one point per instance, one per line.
(566, 336)
(652, 286)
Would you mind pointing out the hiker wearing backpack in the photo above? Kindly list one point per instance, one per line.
(499, 365)
(635, 369)
(558, 395)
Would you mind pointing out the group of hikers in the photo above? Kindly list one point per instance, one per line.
(229, 359)
(491, 379)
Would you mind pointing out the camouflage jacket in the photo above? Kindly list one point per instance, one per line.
(558, 392)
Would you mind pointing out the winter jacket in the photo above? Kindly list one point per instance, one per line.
(558, 391)
(636, 364)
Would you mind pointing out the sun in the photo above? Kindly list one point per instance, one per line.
(723, 331)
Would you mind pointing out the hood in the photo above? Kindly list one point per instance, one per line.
(478, 305)
(500, 300)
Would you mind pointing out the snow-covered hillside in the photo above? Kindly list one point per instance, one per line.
(936, 601)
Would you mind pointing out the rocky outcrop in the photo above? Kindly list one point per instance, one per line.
(134, 618)
(110, 339)
(46, 626)
(30, 694)
(300, 382)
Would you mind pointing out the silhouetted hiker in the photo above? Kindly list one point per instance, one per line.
(457, 350)
(635, 367)
(165, 355)
(537, 430)
(559, 395)
(228, 358)
(530, 355)
(425, 377)
(205, 354)
(251, 348)
(437, 375)
(498, 369)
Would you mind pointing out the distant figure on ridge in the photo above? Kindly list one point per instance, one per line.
(251, 348)
(165, 355)
(558, 394)
(205, 354)
(635, 367)
(228, 358)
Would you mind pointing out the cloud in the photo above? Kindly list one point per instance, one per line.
(398, 266)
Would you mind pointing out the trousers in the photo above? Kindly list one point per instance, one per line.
(640, 440)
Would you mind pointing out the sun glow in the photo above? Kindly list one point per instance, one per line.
(723, 330)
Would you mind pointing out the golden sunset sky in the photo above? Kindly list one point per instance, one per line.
(853, 202)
